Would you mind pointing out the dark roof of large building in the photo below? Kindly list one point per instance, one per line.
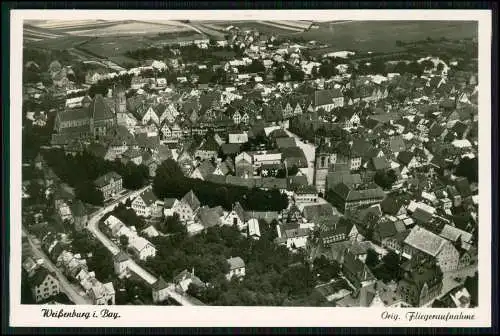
(105, 179)
(349, 194)
(392, 204)
(145, 141)
(73, 114)
(99, 109)
(345, 177)
(405, 157)
(385, 229)
(230, 148)
(315, 211)
(360, 147)
(324, 97)
(148, 197)
(210, 145)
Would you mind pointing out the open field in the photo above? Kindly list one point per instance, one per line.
(214, 26)
(58, 43)
(280, 26)
(381, 36)
(295, 24)
(106, 28)
(175, 35)
(114, 48)
(132, 28)
(209, 31)
(265, 27)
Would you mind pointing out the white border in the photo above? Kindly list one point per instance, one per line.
(167, 316)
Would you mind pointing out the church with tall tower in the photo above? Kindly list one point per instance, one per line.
(95, 118)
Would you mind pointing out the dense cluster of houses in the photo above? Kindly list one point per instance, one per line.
(140, 246)
(386, 184)
(74, 266)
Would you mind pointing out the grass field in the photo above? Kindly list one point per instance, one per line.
(104, 28)
(381, 36)
(263, 28)
(58, 43)
(115, 47)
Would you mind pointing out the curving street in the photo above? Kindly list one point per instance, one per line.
(93, 227)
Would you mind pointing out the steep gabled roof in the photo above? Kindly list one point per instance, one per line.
(148, 197)
(99, 109)
(405, 157)
(191, 199)
(324, 97)
(425, 241)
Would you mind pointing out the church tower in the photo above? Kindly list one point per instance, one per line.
(325, 157)
(120, 100)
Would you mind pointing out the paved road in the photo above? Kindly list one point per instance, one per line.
(64, 284)
(310, 153)
(93, 227)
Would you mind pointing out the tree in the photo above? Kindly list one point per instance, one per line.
(325, 269)
(124, 241)
(279, 74)
(129, 216)
(471, 284)
(415, 68)
(389, 269)
(427, 64)
(173, 224)
(88, 193)
(101, 262)
(391, 260)
(385, 179)
(371, 258)
(468, 168)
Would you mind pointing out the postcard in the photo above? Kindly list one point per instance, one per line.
(250, 168)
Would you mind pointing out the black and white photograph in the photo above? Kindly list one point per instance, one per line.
(251, 162)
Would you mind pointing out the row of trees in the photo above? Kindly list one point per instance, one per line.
(80, 170)
(189, 53)
(274, 275)
(171, 182)
(99, 259)
(102, 86)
